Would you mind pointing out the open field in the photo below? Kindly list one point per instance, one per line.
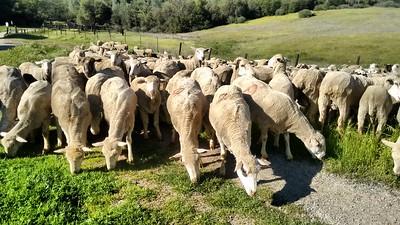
(39, 189)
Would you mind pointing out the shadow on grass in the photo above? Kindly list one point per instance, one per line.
(26, 36)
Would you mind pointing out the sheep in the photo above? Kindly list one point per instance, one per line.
(344, 90)
(33, 112)
(243, 68)
(395, 149)
(396, 70)
(92, 90)
(138, 68)
(275, 111)
(207, 80)
(308, 81)
(196, 60)
(119, 105)
(149, 101)
(373, 68)
(224, 73)
(187, 106)
(230, 117)
(71, 107)
(377, 101)
(166, 68)
(39, 73)
(12, 86)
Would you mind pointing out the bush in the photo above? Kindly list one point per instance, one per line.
(388, 4)
(280, 12)
(320, 7)
(305, 13)
(343, 6)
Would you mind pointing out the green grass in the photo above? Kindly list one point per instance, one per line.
(361, 156)
(40, 190)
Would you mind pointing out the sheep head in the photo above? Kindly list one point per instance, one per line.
(316, 145)
(152, 86)
(11, 143)
(247, 171)
(74, 155)
(191, 161)
(112, 149)
(199, 53)
(88, 65)
(395, 154)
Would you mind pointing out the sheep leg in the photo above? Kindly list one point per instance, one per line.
(173, 135)
(276, 141)
(156, 123)
(45, 134)
(222, 169)
(361, 119)
(59, 135)
(382, 118)
(264, 137)
(312, 114)
(129, 143)
(289, 155)
(145, 120)
(343, 114)
(323, 103)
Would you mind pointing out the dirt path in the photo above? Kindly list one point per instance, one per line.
(330, 198)
(7, 43)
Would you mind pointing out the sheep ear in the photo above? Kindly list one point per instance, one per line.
(60, 151)
(238, 166)
(98, 144)
(122, 144)
(20, 139)
(207, 49)
(388, 143)
(262, 162)
(3, 134)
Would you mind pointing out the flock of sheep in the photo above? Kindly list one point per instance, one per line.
(223, 98)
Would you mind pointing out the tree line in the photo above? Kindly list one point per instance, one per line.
(172, 16)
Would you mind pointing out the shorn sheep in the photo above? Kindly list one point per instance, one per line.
(147, 90)
(230, 117)
(33, 112)
(119, 105)
(187, 106)
(275, 111)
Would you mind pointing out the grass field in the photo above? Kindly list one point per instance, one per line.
(38, 189)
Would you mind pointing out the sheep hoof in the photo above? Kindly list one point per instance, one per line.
(265, 157)
(289, 157)
(129, 161)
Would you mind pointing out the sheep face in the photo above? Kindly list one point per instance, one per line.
(394, 91)
(75, 157)
(199, 53)
(111, 151)
(248, 176)
(192, 164)
(116, 58)
(395, 154)
(152, 86)
(11, 144)
(46, 67)
(88, 66)
(316, 145)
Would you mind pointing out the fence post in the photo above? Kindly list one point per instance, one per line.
(209, 53)
(140, 40)
(157, 45)
(125, 37)
(109, 33)
(180, 48)
(358, 60)
(297, 59)
(245, 55)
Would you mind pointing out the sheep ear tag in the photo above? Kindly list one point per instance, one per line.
(122, 144)
(3, 134)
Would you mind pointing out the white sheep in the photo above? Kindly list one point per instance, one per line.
(230, 117)
(147, 90)
(119, 106)
(395, 149)
(275, 111)
(196, 61)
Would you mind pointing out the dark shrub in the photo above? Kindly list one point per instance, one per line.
(305, 13)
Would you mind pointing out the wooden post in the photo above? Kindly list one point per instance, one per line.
(140, 40)
(297, 59)
(109, 33)
(209, 53)
(358, 60)
(125, 37)
(157, 44)
(245, 55)
(180, 48)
